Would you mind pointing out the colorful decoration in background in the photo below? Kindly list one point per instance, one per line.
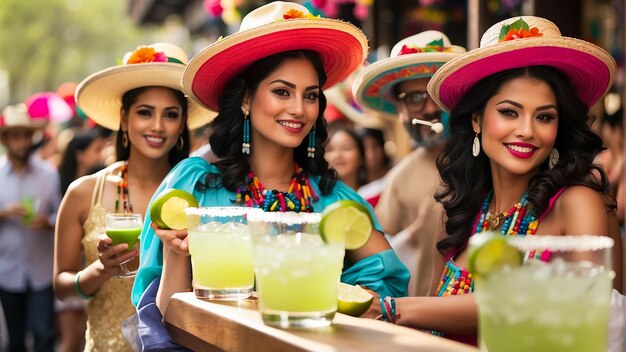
(49, 105)
(66, 92)
(330, 8)
(228, 10)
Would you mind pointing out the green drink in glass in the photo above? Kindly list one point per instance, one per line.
(125, 228)
(297, 272)
(558, 303)
(221, 253)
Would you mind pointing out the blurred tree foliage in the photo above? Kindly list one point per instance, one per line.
(45, 43)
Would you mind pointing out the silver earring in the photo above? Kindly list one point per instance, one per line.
(476, 146)
(554, 158)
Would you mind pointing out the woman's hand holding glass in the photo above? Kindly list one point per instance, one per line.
(112, 256)
(124, 229)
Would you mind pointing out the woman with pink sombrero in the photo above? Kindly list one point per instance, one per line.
(267, 83)
(519, 159)
(141, 99)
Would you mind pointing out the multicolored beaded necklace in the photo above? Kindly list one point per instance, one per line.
(299, 197)
(519, 220)
(122, 191)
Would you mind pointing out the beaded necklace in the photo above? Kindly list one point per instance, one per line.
(122, 191)
(519, 220)
(299, 197)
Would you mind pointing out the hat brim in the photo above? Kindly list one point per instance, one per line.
(341, 46)
(372, 88)
(590, 69)
(100, 94)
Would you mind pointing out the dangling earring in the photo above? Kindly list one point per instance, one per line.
(311, 149)
(245, 146)
(181, 143)
(124, 139)
(476, 146)
(554, 158)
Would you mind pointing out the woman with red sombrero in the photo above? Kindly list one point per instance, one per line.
(267, 83)
(519, 159)
(141, 99)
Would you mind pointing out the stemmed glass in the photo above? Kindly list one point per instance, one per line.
(125, 228)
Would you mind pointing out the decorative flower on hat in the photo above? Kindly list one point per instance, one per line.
(146, 54)
(518, 30)
(434, 46)
(293, 13)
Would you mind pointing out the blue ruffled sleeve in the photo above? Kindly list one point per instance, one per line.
(184, 176)
(382, 272)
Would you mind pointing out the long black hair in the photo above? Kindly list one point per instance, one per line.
(176, 154)
(69, 163)
(467, 179)
(227, 128)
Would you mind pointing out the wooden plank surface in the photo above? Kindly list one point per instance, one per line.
(237, 326)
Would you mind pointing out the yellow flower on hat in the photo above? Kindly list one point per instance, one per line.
(293, 13)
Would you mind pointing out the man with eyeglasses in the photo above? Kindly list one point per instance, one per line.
(407, 210)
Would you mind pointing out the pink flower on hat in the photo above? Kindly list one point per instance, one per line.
(146, 54)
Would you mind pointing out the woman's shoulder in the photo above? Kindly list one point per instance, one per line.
(580, 209)
(81, 190)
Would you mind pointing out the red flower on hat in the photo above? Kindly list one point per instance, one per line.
(146, 54)
(518, 30)
(434, 46)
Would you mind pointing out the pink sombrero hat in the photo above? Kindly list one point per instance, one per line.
(417, 56)
(270, 29)
(520, 42)
(159, 64)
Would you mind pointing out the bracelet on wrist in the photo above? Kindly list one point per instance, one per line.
(81, 294)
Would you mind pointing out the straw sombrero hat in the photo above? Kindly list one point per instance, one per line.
(271, 29)
(159, 64)
(418, 56)
(14, 116)
(521, 42)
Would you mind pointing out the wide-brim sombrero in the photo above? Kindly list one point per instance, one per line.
(100, 94)
(264, 32)
(589, 68)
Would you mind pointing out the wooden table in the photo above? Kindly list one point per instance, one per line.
(237, 326)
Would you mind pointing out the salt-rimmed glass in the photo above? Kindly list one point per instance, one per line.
(557, 300)
(296, 271)
(221, 252)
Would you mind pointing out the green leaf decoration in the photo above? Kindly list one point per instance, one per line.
(519, 24)
(436, 42)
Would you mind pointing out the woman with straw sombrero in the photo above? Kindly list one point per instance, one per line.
(267, 80)
(141, 99)
(519, 160)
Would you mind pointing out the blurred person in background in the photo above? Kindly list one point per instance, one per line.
(397, 86)
(377, 163)
(345, 153)
(28, 205)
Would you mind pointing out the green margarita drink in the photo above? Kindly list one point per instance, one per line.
(128, 236)
(297, 273)
(125, 228)
(559, 303)
(221, 253)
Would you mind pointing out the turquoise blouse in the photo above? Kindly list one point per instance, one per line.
(382, 272)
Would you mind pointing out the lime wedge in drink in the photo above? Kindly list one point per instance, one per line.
(168, 209)
(493, 254)
(346, 221)
(352, 300)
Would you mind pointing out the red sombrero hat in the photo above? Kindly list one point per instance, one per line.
(270, 29)
(521, 42)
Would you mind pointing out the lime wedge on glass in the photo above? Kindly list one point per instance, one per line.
(352, 300)
(346, 221)
(493, 254)
(168, 209)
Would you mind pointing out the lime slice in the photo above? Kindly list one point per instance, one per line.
(168, 209)
(492, 255)
(352, 300)
(346, 221)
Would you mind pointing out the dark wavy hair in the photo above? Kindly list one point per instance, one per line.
(69, 163)
(227, 128)
(467, 179)
(175, 155)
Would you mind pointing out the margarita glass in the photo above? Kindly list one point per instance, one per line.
(556, 300)
(221, 252)
(296, 271)
(125, 228)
